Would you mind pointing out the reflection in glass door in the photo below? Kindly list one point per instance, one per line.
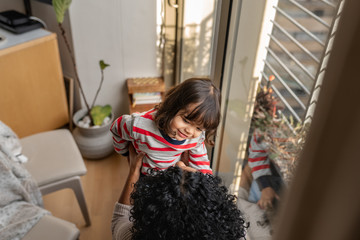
(192, 39)
(196, 40)
(187, 37)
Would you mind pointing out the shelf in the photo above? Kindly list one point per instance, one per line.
(141, 85)
(12, 39)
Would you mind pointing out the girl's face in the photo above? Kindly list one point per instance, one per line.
(182, 128)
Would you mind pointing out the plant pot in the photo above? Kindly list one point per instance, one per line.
(94, 143)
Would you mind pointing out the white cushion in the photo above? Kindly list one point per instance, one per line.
(53, 155)
(50, 227)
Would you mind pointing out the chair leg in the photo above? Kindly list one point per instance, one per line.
(79, 193)
(75, 184)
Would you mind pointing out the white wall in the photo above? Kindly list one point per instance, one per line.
(122, 32)
(12, 5)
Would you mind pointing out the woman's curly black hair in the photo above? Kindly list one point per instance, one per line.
(176, 204)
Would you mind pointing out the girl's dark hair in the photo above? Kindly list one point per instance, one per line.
(180, 205)
(200, 91)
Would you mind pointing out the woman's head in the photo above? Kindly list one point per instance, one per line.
(176, 204)
(196, 101)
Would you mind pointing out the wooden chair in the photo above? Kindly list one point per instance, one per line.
(56, 163)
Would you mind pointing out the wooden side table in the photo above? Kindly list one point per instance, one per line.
(144, 85)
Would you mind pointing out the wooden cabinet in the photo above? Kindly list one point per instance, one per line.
(143, 85)
(32, 93)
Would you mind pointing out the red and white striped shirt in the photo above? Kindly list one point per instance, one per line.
(160, 150)
(258, 156)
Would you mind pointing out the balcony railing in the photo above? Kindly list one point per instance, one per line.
(299, 43)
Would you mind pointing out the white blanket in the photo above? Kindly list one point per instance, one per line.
(20, 198)
(260, 227)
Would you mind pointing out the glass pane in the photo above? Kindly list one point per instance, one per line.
(197, 38)
(277, 133)
(185, 38)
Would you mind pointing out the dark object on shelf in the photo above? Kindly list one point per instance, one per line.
(45, 1)
(16, 22)
(13, 18)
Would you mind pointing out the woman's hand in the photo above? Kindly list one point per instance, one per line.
(135, 160)
(267, 196)
(182, 165)
(184, 162)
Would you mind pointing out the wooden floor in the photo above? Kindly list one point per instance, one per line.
(102, 186)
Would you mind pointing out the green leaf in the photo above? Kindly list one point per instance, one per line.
(60, 7)
(103, 65)
(99, 113)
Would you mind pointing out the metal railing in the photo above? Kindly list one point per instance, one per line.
(297, 63)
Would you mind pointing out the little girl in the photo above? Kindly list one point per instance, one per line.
(188, 116)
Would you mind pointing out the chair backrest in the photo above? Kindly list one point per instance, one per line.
(32, 92)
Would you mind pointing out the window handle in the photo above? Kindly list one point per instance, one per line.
(174, 5)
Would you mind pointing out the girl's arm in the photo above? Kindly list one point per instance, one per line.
(258, 159)
(199, 160)
(260, 168)
(122, 133)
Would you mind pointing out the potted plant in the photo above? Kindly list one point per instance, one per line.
(92, 134)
